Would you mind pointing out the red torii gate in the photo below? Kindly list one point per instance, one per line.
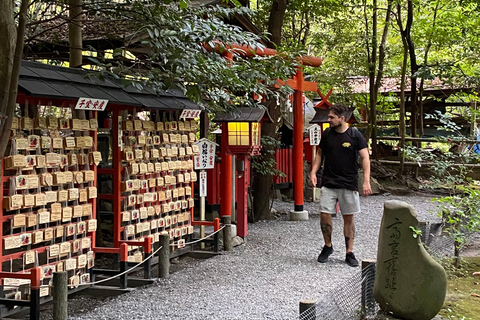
(299, 85)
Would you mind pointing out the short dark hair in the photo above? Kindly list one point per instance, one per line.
(339, 109)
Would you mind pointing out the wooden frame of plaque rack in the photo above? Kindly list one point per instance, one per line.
(48, 193)
(152, 176)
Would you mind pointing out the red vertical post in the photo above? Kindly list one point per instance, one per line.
(242, 205)
(298, 213)
(117, 179)
(226, 175)
(298, 142)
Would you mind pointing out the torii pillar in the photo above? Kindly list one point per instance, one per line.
(299, 84)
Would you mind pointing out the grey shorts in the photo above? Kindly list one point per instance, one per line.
(348, 200)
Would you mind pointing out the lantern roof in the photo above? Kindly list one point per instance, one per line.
(321, 116)
(244, 114)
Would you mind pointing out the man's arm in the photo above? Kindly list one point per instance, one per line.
(367, 189)
(315, 166)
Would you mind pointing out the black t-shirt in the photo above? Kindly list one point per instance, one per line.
(340, 170)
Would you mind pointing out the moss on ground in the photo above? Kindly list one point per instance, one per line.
(463, 291)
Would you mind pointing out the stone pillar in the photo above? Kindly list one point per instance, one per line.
(409, 283)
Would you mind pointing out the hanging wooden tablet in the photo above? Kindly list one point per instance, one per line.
(67, 213)
(19, 220)
(40, 161)
(87, 209)
(54, 251)
(126, 216)
(86, 243)
(15, 162)
(13, 202)
(63, 123)
(81, 227)
(92, 192)
(62, 195)
(68, 176)
(65, 248)
(72, 194)
(55, 212)
(51, 196)
(59, 231)
(76, 124)
(57, 143)
(29, 200)
(26, 123)
(15, 123)
(52, 122)
(127, 125)
(37, 236)
(88, 142)
(85, 124)
(95, 157)
(26, 239)
(89, 175)
(77, 211)
(31, 219)
(69, 143)
(82, 195)
(43, 216)
(93, 124)
(48, 234)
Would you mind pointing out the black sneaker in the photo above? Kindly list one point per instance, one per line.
(326, 252)
(351, 260)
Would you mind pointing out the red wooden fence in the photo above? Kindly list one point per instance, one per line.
(283, 158)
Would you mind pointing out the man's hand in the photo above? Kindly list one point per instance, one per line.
(367, 189)
(313, 178)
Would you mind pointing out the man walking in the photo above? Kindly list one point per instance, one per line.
(340, 147)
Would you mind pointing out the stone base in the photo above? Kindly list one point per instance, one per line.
(298, 215)
(312, 194)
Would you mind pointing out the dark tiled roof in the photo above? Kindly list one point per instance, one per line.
(242, 114)
(42, 80)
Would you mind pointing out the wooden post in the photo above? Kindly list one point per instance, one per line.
(227, 233)
(123, 265)
(164, 257)
(35, 294)
(216, 236)
(304, 306)
(147, 265)
(60, 295)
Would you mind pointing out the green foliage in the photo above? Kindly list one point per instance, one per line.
(460, 208)
(415, 232)
(181, 41)
(265, 164)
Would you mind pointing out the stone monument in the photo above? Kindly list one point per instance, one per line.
(409, 283)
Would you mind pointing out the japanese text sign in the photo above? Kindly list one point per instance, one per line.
(315, 134)
(91, 104)
(190, 114)
(206, 157)
(203, 184)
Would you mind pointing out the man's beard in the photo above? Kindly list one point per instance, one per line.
(335, 126)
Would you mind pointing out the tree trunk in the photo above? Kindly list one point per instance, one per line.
(275, 21)
(11, 60)
(401, 125)
(263, 184)
(372, 65)
(75, 33)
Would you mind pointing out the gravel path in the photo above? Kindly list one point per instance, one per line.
(264, 279)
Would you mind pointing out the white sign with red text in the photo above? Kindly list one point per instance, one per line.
(206, 158)
(91, 104)
(190, 114)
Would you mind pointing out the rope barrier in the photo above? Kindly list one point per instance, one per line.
(196, 241)
(126, 271)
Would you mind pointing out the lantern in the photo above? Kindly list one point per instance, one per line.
(242, 130)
